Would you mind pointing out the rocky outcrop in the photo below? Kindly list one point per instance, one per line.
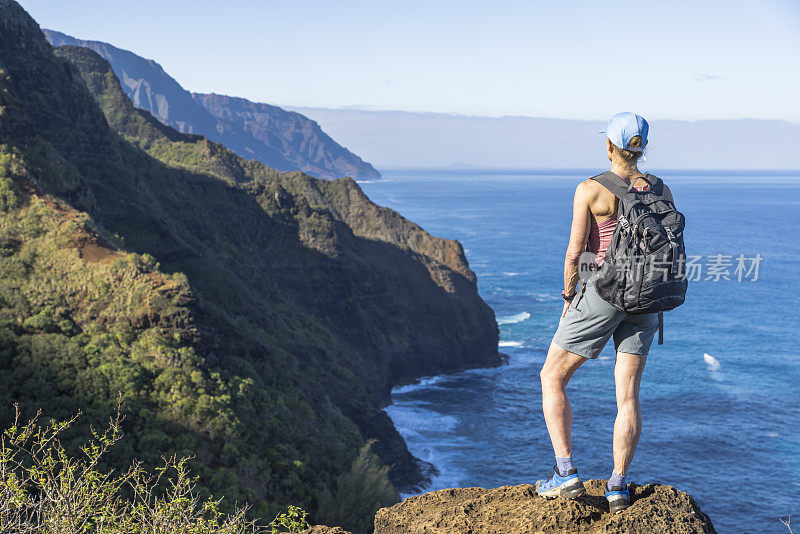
(283, 140)
(655, 508)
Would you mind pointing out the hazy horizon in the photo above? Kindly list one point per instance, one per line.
(409, 140)
(357, 107)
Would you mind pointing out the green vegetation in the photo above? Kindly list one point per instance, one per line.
(45, 490)
(359, 494)
(252, 320)
(76, 332)
(227, 368)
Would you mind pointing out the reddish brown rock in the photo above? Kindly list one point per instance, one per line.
(519, 510)
(322, 529)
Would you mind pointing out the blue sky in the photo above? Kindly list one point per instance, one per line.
(583, 60)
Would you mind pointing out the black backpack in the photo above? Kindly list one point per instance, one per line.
(644, 269)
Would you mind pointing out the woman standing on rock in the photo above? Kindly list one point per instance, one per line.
(588, 321)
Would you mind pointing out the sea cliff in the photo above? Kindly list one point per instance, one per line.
(253, 319)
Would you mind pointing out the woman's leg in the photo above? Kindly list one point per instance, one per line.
(628, 425)
(555, 374)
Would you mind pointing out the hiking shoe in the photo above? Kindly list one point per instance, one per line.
(618, 498)
(569, 486)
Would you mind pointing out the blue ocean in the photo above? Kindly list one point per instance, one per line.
(720, 398)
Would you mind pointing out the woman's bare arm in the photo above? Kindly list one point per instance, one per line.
(579, 233)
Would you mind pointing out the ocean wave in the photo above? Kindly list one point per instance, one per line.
(513, 274)
(517, 344)
(423, 430)
(417, 421)
(712, 362)
(514, 319)
(421, 383)
(544, 297)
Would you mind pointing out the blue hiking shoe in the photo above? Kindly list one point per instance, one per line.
(618, 498)
(569, 486)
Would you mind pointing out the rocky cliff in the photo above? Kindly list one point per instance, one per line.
(655, 508)
(283, 140)
(299, 139)
(254, 319)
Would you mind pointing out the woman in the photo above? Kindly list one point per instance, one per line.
(584, 329)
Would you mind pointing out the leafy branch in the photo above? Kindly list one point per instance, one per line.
(44, 490)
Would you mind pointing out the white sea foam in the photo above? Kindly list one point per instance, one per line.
(421, 428)
(544, 297)
(517, 344)
(513, 274)
(513, 319)
(712, 362)
(421, 383)
(412, 419)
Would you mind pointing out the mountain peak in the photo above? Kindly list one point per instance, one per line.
(17, 29)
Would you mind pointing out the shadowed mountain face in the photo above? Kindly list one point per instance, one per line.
(283, 140)
(252, 318)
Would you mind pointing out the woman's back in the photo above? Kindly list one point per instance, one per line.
(603, 210)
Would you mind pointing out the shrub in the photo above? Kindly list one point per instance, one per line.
(44, 490)
(360, 492)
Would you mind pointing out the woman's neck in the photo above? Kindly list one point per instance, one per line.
(626, 172)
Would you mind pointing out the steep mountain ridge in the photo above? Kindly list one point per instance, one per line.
(253, 318)
(283, 140)
(299, 139)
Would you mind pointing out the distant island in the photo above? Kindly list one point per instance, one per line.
(457, 165)
(436, 140)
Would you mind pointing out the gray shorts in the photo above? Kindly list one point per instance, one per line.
(585, 328)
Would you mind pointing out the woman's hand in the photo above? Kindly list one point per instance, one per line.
(564, 311)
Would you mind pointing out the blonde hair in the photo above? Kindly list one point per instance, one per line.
(628, 155)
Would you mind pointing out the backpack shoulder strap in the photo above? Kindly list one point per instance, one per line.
(613, 183)
(656, 183)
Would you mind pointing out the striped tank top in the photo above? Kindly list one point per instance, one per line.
(600, 233)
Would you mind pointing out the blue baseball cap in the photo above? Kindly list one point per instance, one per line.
(623, 127)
